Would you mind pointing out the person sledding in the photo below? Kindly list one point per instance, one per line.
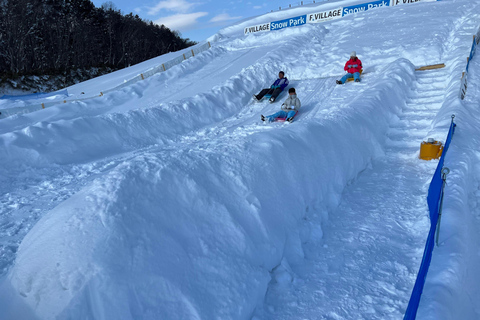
(353, 68)
(275, 89)
(289, 108)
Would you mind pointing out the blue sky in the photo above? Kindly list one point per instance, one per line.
(197, 19)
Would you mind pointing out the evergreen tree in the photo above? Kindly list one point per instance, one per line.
(58, 36)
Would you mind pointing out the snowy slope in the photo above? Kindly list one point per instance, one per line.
(93, 87)
(169, 200)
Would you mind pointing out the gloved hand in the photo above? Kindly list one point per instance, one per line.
(355, 65)
(349, 65)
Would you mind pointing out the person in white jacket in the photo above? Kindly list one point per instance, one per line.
(289, 108)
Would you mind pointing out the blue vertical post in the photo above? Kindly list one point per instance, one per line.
(434, 199)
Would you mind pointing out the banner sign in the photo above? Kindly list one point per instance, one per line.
(325, 15)
(287, 23)
(258, 28)
(397, 2)
(364, 7)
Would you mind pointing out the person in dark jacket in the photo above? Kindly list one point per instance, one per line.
(277, 87)
(353, 67)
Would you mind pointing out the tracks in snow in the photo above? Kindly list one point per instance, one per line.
(380, 228)
(23, 206)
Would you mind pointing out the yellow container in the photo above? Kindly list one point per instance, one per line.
(431, 149)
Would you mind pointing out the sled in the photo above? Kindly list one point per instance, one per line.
(281, 119)
(269, 95)
(351, 79)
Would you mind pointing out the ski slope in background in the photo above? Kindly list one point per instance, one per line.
(168, 199)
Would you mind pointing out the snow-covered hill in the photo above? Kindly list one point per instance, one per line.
(168, 199)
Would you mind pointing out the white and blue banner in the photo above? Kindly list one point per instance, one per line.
(397, 2)
(364, 7)
(258, 28)
(287, 23)
(327, 15)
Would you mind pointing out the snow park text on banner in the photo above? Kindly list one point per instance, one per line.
(287, 23)
(326, 15)
(364, 7)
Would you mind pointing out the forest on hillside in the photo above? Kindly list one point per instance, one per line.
(54, 37)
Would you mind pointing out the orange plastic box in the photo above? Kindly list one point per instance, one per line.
(431, 149)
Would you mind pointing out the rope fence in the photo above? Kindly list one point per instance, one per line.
(299, 4)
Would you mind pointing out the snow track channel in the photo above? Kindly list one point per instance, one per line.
(177, 184)
(366, 264)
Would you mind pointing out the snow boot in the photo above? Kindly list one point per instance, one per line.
(255, 97)
(339, 82)
(272, 100)
(290, 119)
(357, 80)
(263, 118)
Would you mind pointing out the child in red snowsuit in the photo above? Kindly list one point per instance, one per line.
(353, 67)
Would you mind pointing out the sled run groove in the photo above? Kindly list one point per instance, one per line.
(365, 265)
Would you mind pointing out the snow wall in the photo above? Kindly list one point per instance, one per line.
(452, 283)
(157, 228)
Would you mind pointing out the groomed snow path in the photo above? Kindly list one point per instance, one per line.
(365, 265)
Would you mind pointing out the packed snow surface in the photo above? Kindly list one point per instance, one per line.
(169, 199)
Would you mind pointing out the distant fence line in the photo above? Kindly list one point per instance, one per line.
(39, 95)
(142, 76)
(299, 4)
